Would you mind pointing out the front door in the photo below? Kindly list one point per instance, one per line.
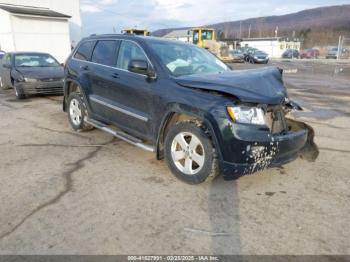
(121, 96)
(134, 92)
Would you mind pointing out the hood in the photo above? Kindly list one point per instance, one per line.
(332, 52)
(261, 86)
(42, 72)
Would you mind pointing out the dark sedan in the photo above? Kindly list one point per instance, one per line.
(291, 53)
(31, 73)
(257, 57)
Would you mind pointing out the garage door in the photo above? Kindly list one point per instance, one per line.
(38, 34)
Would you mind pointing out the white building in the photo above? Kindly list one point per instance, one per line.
(181, 35)
(50, 26)
(273, 46)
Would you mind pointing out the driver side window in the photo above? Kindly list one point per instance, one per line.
(129, 51)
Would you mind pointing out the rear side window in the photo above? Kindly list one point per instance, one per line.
(84, 51)
(105, 52)
(129, 51)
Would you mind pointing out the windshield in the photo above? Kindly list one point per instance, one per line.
(187, 59)
(35, 60)
(207, 34)
(139, 32)
(259, 53)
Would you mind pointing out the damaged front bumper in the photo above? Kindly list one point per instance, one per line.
(258, 149)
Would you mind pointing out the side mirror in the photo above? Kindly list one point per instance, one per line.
(141, 67)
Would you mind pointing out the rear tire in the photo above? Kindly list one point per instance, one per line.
(190, 154)
(77, 112)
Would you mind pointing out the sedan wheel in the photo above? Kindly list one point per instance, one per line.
(18, 93)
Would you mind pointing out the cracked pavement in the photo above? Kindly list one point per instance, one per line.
(64, 192)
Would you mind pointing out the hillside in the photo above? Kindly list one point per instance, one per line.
(316, 27)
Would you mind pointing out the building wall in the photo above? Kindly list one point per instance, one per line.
(274, 48)
(68, 7)
(55, 36)
(6, 36)
(42, 35)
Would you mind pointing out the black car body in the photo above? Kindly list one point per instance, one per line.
(257, 57)
(291, 53)
(151, 101)
(32, 73)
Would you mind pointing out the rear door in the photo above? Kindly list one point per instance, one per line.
(102, 75)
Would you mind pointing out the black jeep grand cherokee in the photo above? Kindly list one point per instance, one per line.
(183, 103)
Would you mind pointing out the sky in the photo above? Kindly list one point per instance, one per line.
(108, 16)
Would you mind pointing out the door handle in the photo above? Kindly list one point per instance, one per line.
(115, 75)
(85, 67)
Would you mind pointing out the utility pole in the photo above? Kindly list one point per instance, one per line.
(276, 31)
(240, 29)
(339, 47)
(250, 28)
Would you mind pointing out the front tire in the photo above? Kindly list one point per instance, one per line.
(19, 93)
(77, 112)
(190, 154)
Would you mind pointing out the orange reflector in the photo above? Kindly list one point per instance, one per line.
(231, 113)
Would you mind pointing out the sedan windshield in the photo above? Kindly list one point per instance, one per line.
(186, 59)
(259, 53)
(35, 60)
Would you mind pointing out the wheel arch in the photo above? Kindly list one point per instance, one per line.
(71, 85)
(174, 116)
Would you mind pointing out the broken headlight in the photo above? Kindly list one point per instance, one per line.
(30, 80)
(247, 115)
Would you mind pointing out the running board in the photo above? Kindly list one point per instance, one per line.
(121, 135)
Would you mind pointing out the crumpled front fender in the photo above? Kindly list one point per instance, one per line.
(310, 151)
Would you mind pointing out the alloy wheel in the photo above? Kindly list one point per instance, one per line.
(187, 153)
(75, 112)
